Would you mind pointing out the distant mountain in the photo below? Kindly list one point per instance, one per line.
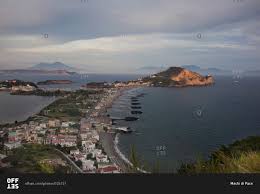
(52, 67)
(207, 71)
(35, 72)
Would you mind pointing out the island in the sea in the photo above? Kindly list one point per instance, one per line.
(178, 77)
(50, 82)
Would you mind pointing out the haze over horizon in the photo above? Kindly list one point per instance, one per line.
(120, 36)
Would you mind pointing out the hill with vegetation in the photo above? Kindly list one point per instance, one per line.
(178, 77)
(242, 156)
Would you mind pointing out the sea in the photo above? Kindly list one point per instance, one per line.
(19, 108)
(176, 125)
(181, 125)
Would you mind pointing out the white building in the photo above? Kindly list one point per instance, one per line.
(88, 165)
(88, 145)
(102, 158)
(74, 152)
(13, 145)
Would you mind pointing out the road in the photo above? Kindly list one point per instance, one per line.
(78, 169)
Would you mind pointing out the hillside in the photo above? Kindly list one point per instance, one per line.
(178, 77)
(242, 156)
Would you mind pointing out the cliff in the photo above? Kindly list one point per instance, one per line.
(178, 77)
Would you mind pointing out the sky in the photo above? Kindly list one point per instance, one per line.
(130, 36)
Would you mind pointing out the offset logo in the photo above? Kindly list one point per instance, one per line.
(12, 183)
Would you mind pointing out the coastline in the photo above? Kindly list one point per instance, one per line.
(110, 141)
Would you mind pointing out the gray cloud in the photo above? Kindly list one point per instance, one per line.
(230, 33)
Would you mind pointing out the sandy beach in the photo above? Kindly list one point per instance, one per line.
(108, 139)
(108, 142)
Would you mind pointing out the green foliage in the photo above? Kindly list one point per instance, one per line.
(70, 105)
(133, 157)
(89, 156)
(46, 168)
(78, 163)
(27, 159)
(242, 156)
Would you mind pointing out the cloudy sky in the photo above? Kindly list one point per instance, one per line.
(130, 36)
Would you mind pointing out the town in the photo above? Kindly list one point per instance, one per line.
(71, 126)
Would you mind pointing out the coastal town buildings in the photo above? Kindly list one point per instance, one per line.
(12, 145)
(27, 88)
(79, 141)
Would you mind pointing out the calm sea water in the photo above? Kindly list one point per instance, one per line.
(19, 108)
(183, 124)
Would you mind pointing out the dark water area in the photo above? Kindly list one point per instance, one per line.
(184, 124)
(19, 108)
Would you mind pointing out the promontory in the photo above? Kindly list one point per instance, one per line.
(178, 77)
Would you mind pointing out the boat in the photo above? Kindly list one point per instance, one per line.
(131, 118)
(136, 112)
(124, 129)
(136, 107)
(135, 103)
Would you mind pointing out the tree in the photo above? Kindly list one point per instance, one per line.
(134, 159)
(89, 156)
(78, 163)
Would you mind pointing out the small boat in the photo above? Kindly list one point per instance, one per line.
(136, 112)
(136, 107)
(124, 129)
(135, 103)
(131, 118)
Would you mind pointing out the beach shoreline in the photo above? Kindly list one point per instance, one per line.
(110, 140)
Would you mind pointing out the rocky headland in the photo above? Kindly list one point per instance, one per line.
(178, 77)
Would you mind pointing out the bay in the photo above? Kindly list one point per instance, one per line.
(180, 125)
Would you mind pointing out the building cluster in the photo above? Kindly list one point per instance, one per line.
(116, 84)
(90, 153)
(83, 142)
(79, 141)
(134, 83)
(26, 88)
(53, 132)
(17, 85)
